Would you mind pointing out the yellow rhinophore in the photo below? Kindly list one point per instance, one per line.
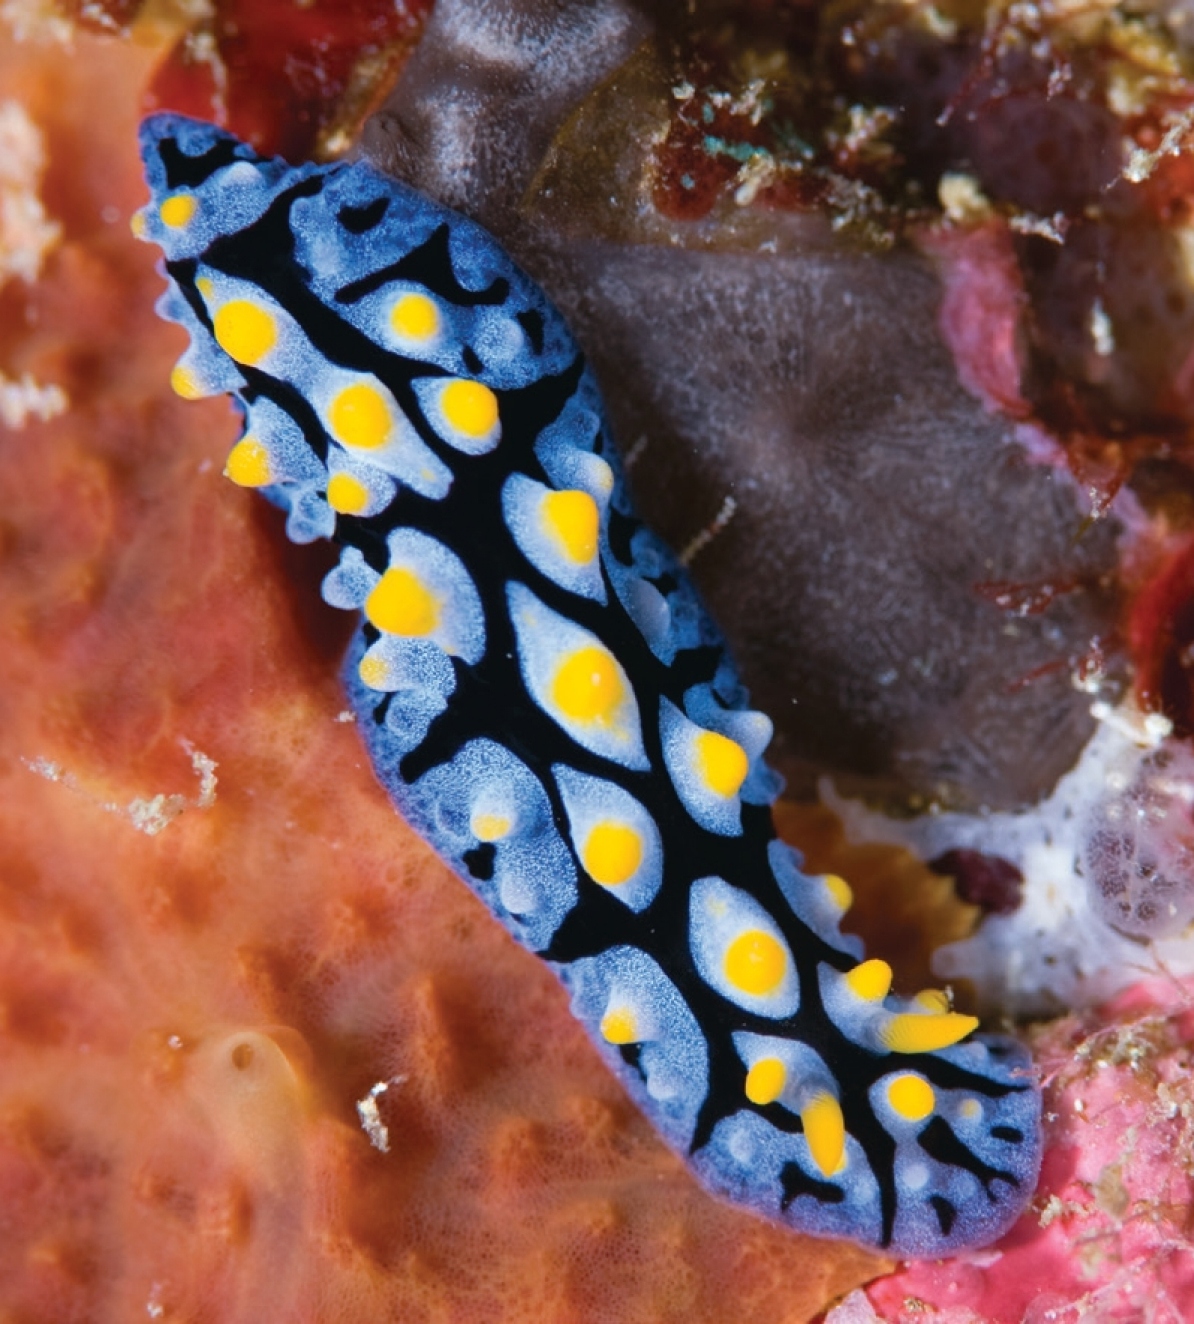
(910, 1033)
(825, 1132)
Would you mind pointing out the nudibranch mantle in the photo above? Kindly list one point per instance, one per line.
(546, 700)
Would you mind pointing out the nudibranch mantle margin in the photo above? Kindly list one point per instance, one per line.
(546, 700)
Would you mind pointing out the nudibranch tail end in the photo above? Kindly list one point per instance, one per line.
(545, 698)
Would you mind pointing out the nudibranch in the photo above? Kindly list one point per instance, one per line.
(546, 700)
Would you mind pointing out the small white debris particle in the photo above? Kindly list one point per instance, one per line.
(147, 814)
(370, 1114)
(1101, 332)
(26, 233)
(709, 532)
(25, 399)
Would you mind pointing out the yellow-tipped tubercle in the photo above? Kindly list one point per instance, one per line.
(870, 980)
(765, 1080)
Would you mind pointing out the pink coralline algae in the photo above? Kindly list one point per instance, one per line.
(1110, 1235)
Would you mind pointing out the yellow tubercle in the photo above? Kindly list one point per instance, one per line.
(573, 518)
(588, 685)
(244, 331)
(415, 317)
(910, 1033)
(469, 407)
(971, 1109)
(373, 671)
(765, 1080)
(870, 980)
(185, 384)
(402, 604)
(825, 1132)
(911, 1096)
(178, 210)
(722, 763)
(490, 827)
(347, 495)
(612, 853)
(359, 416)
(248, 464)
(137, 224)
(206, 286)
(840, 890)
(618, 1026)
(755, 963)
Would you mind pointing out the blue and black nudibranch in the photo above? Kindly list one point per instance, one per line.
(546, 700)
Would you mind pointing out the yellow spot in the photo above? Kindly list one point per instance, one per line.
(722, 763)
(137, 224)
(971, 1109)
(184, 383)
(588, 686)
(825, 1132)
(415, 317)
(573, 517)
(612, 853)
(373, 671)
(619, 1027)
(912, 1097)
(248, 463)
(402, 604)
(359, 416)
(935, 1001)
(765, 1080)
(206, 286)
(244, 331)
(910, 1033)
(870, 980)
(840, 890)
(756, 963)
(347, 495)
(469, 407)
(178, 210)
(490, 827)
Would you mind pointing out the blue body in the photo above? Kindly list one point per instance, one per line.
(545, 699)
